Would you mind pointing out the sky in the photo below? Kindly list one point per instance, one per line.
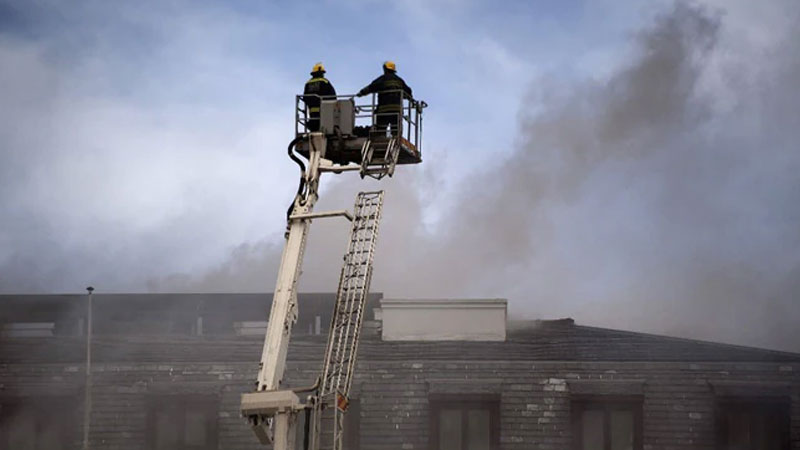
(630, 164)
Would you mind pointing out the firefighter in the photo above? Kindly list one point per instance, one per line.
(316, 89)
(390, 104)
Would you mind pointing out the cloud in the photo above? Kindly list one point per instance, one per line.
(101, 184)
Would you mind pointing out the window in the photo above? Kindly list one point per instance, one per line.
(466, 422)
(37, 423)
(607, 425)
(753, 425)
(183, 422)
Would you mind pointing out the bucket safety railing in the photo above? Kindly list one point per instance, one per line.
(408, 123)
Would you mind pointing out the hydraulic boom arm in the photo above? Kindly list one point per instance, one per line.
(269, 403)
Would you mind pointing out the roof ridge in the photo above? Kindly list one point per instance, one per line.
(691, 340)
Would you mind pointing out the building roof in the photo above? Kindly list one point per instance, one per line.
(162, 313)
(563, 340)
(555, 340)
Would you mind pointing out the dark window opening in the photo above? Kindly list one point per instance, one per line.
(183, 422)
(614, 424)
(465, 422)
(753, 425)
(38, 423)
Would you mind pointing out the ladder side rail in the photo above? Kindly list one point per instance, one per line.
(326, 399)
(365, 293)
(336, 357)
(355, 294)
(346, 342)
(359, 294)
(346, 322)
(342, 360)
(343, 304)
(345, 336)
(371, 228)
(348, 274)
(351, 299)
(327, 391)
(329, 346)
(333, 338)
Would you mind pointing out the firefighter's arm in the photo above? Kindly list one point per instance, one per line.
(407, 90)
(330, 90)
(372, 87)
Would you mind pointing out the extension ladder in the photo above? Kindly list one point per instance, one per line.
(340, 355)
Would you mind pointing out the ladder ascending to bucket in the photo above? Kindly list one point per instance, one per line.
(340, 355)
(379, 157)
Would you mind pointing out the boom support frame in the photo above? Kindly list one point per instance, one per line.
(271, 411)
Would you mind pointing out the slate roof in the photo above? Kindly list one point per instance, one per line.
(563, 340)
(162, 313)
(559, 340)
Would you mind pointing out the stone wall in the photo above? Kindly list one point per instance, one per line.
(678, 398)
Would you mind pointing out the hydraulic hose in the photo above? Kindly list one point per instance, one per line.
(302, 186)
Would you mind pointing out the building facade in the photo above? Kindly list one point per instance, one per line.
(167, 372)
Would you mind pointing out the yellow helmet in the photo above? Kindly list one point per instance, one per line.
(318, 67)
(389, 65)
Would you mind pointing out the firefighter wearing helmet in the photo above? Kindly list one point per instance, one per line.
(316, 89)
(391, 89)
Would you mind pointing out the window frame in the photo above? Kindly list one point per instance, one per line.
(607, 404)
(464, 402)
(182, 403)
(779, 404)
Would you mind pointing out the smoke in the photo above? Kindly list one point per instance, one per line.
(661, 198)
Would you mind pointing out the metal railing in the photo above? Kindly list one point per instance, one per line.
(409, 118)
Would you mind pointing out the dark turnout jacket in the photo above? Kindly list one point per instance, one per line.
(315, 88)
(388, 101)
